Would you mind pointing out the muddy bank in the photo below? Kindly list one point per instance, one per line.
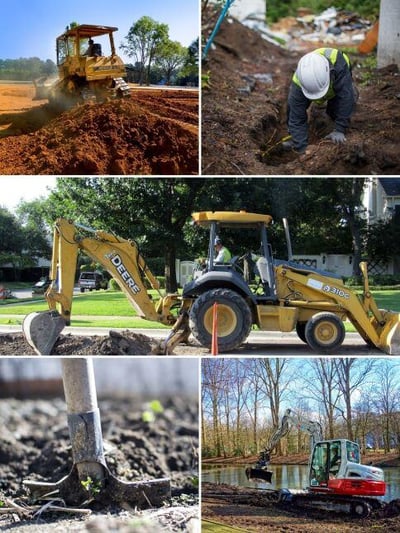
(149, 132)
(370, 457)
(250, 509)
(244, 113)
(34, 445)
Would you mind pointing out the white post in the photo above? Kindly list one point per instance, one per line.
(389, 33)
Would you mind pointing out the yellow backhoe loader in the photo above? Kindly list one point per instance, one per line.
(86, 69)
(286, 296)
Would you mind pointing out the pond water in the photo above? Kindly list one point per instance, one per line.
(289, 476)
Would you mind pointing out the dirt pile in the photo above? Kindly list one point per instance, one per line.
(150, 132)
(115, 343)
(244, 113)
(35, 445)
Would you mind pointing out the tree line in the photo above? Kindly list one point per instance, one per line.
(325, 215)
(243, 401)
(26, 69)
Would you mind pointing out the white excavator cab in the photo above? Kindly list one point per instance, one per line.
(335, 468)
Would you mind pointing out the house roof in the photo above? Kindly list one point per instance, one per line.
(391, 186)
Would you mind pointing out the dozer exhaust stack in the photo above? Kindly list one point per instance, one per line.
(42, 330)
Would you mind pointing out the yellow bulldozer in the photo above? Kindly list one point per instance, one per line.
(284, 295)
(87, 70)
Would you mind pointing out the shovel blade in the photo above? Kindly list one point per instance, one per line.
(390, 335)
(259, 473)
(42, 330)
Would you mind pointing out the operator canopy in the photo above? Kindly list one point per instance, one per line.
(313, 74)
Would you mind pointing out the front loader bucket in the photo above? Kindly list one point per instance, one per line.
(259, 473)
(41, 330)
(389, 339)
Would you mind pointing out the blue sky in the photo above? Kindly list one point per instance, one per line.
(29, 29)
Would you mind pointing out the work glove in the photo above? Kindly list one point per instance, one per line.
(336, 136)
(289, 145)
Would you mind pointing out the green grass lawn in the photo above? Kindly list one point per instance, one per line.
(114, 310)
(111, 307)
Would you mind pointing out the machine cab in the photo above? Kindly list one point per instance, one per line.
(88, 50)
(248, 233)
(335, 467)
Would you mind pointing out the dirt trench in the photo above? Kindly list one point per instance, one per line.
(151, 132)
(244, 113)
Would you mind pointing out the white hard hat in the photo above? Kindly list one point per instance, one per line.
(313, 75)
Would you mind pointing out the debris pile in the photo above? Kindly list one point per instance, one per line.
(331, 27)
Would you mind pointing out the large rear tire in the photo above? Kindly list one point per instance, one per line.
(325, 333)
(234, 319)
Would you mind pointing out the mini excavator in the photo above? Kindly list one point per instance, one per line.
(337, 481)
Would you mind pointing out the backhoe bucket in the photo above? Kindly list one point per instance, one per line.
(389, 340)
(259, 473)
(42, 330)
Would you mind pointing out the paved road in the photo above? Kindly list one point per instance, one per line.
(258, 343)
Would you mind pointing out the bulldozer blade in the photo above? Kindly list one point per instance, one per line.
(390, 336)
(42, 330)
(259, 473)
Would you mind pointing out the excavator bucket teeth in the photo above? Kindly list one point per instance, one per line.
(390, 336)
(259, 473)
(41, 330)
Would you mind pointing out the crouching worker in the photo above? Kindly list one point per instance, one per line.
(323, 77)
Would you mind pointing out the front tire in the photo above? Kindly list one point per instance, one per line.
(325, 333)
(234, 319)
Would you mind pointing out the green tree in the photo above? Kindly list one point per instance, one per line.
(144, 40)
(171, 56)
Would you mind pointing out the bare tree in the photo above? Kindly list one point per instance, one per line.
(387, 401)
(275, 381)
(352, 374)
(321, 386)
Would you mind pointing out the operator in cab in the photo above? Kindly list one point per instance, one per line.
(322, 78)
(223, 255)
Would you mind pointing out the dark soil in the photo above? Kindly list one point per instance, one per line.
(244, 118)
(149, 132)
(35, 445)
(115, 343)
(247, 508)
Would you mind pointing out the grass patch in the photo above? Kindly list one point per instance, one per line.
(102, 303)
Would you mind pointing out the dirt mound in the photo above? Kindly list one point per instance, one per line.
(244, 114)
(154, 132)
(115, 343)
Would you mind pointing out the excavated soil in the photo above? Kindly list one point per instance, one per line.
(35, 445)
(149, 132)
(244, 113)
(250, 509)
(115, 343)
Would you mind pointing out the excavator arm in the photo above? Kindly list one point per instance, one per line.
(121, 259)
(288, 421)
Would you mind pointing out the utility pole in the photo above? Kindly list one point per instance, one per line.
(389, 33)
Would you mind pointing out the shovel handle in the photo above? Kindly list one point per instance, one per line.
(83, 417)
